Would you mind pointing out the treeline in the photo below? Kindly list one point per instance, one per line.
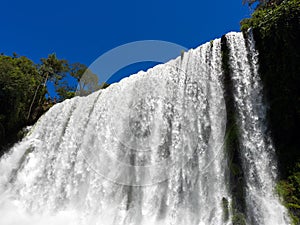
(263, 3)
(24, 90)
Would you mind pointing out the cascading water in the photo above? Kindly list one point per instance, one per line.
(257, 150)
(147, 150)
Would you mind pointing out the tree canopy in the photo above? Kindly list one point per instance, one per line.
(23, 89)
(262, 2)
(19, 78)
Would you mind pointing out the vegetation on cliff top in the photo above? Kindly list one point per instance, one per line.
(23, 89)
(276, 28)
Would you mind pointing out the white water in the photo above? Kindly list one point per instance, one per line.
(258, 152)
(147, 150)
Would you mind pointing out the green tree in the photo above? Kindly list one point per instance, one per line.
(19, 79)
(88, 83)
(23, 86)
(262, 2)
(53, 69)
(65, 91)
(77, 70)
(289, 190)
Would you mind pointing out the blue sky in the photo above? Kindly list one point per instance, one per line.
(80, 31)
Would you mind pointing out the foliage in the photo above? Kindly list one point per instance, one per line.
(19, 78)
(65, 91)
(23, 85)
(276, 31)
(57, 71)
(289, 190)
(53, 69)
(238, 219)
(77, 70)
(262, 3)
(88, 83)
(251, 2)
(277, 35)
(267, 19)
(225, 207)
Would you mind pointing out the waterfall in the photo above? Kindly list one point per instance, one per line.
(258, 152)
(148, 150)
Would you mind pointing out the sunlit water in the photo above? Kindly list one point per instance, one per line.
(147, 150)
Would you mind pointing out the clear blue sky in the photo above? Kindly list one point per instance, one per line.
(80, 31)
